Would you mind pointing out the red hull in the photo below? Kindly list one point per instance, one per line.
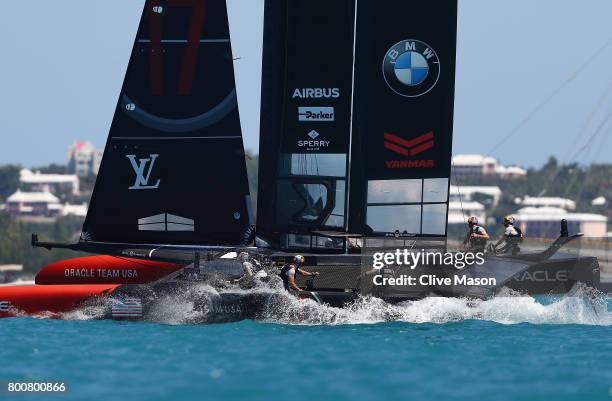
(104, 270)
(37, 299)
(65, 285)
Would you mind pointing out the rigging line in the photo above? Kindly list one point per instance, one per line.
(460, 198)
(600, 103)
(587, 145)
(587, 148)
(548, 99)
(566, 158)
(600, 148)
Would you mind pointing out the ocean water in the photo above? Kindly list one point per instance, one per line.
(507, 348)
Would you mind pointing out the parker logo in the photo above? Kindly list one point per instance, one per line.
(316, 114)
(316, 93)
(409, 148)
(139, 166)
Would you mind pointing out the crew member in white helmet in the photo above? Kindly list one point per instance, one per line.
(477, 236)
(247, 280)
(243, 257)
(512, 237)
(290, 270)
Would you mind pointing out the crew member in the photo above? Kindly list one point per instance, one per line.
(290, 270)
(476, 237)
(512, 237)
(243, 257)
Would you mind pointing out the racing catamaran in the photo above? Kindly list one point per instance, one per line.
(355, 154)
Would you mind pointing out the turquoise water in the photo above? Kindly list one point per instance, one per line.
(436, 349)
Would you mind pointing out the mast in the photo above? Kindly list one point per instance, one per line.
(348, 195)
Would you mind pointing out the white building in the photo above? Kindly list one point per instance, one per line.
(553, 202)
(84, 159)
(54, 183)
(9, 273)
(477, 166)
(74, 210)
(459, 212)
(39, 204)
(466, 193)
(544, 222)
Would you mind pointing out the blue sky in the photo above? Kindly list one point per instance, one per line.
(63, 62)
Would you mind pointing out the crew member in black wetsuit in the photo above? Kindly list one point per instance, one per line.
(290, 270)
(476, 237)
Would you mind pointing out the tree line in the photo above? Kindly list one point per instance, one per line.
(579, 183)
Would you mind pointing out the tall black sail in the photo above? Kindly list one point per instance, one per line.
(305, 121)
(173, 170)
(357, 120)
(403, 117)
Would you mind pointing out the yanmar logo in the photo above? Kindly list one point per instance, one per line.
(409, 148)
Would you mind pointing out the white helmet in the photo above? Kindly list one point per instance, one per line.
(298, 259)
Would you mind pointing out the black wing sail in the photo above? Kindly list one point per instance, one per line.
(173, 170)
(376, 80)
(403, 117)
(305, 121)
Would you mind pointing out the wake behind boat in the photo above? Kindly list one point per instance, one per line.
(355, 158)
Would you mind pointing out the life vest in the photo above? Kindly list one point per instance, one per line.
(513, 241)
(516, 238)
(477, 241)
(284, 273)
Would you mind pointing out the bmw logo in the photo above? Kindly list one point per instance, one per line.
(411, 68)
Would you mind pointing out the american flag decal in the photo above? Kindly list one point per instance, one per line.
(409, 147)
(127, 308)
(5, 306)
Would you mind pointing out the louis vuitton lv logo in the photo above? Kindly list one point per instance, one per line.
(143, 168)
